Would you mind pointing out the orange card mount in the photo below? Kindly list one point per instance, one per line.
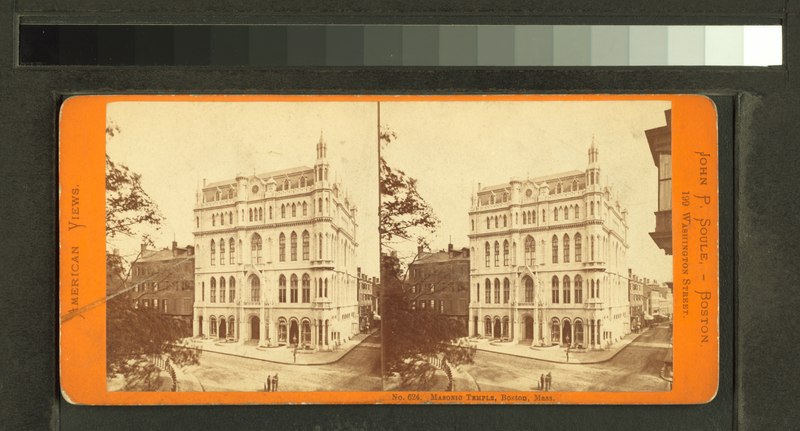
(238, 249)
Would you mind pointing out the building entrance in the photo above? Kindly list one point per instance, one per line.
(255, 326)
(529, 328)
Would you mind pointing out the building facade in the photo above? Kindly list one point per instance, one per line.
(549, 260)
(367, 300)
(439, 281)
(660, 142)
(163, 280)
(636, 300)
(276, 259)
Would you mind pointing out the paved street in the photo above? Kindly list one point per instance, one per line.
(358, 370)
(636, 368)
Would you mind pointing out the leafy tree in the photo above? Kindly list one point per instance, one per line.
(404, 213)
(135, 336)
(410, 336)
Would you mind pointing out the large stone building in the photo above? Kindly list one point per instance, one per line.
(163, 280)
(276, 258)
(439, 281)
(549, 260)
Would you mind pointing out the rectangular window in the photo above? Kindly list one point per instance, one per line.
(164, 305)
(664, 182)
(155, 303)
(187, 305)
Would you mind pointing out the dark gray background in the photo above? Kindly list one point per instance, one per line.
(758, 126)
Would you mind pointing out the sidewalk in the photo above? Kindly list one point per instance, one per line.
(282, 354)
(554, 353)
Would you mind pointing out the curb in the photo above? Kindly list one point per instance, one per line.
(281, 362)
(563, 362)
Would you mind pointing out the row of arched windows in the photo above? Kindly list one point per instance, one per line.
(564, 212)
(293, 209)
(287, 184)
(563, 294)
(231, 251)
(565, 242)
(498, 220)
(220, 218)
(213, 289)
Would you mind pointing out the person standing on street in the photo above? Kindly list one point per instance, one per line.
(275, 383)
(549, 380)
(541, 382)
(269, 383)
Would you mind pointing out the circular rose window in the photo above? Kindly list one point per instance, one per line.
(529, 193)
(255, 189)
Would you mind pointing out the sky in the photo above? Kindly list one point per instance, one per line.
(175, 145)
(450, 147)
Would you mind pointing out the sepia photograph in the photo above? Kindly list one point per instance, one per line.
(526, 245)
(241, 246)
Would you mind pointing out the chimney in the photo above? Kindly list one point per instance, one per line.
(450, 250)
(144, 248)
(419, 250)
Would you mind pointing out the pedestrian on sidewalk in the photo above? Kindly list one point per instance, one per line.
(275, 383)
(268, 385)
(567, 353)
(294, 354)
(541, 382)
(549, 380)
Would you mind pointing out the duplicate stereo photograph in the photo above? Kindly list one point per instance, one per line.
(242, 247)
(402, 245)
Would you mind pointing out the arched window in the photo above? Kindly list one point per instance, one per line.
(487, 326)
(554, 281)
(505, 221)
(566, 289)
(261, 213)
(524, 217)
(530, 251)
(487, 287)
(591, 288)
(306, 240)
(282, 332)
(250, 211)
(305, 208)
(325, 290)
(496, 291)
(505, 326)
(213, 219)
(578, 250)
(555, 214)
(232, 291)
(566, 248)
(286, 184)
(506, 291)
(302, 181)
(213, 325)
(255, 289)
(282, 288)
(532, 217)
(555, 248)
(566, 213)
(597, 288)
(528, 290)
(213, 252)
(327, 206)
(282, 247)
(222, 252)
(574, 185)
(213, 290)
(558, 188)
(505, 253)
(496, 253)
(222, 289)
(591, 208)
(294, 210)
(488, 219)
(578, 289)
(592, 248)
(577, 211)
(255, 249)
(293, 245)
(555, 331)
(488, 253)
(306, 288)
(230, 217)
(293, 288)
